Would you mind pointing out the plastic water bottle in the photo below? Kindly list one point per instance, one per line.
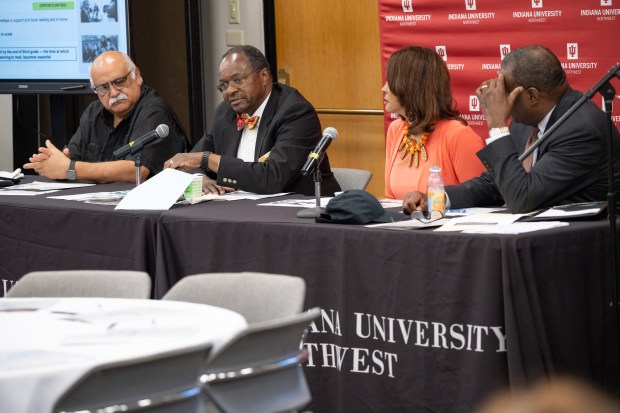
(436, 191)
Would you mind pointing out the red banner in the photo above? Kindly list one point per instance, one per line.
(472, 36)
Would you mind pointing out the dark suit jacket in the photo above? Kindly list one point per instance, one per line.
(288, 130)
(571, 164)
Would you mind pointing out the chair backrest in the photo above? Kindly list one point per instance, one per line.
(259, 370)
(163, 383)
(83, 283)
(352, 178)
(256, 296)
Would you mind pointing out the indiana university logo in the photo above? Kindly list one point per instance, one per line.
(605, 2)
(407, 6)
(572, 51)
(504, 49)
(537, 4)
(474, 104)
(441, 51)
(470, 4)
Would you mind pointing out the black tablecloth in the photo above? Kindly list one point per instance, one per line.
(40, 233)
(413, 321)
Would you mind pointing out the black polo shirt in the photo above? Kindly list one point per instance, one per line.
(96, 138)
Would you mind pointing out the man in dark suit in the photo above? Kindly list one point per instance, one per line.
(569, 166)
(266, 152)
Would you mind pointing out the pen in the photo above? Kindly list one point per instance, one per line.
(456, 211)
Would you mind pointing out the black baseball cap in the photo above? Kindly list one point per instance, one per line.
(357, 207)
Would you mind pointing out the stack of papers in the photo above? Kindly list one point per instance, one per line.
(477, 223)
(577, 210)
(496, 223)
(38, 188)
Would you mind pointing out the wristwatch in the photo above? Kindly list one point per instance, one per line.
(497, 132)
(70, 175)
(204, 163)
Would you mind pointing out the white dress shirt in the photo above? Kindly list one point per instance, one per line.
(247, 145)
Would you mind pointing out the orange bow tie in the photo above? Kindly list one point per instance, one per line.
(244, 119)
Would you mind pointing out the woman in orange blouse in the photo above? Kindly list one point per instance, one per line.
(429, 131)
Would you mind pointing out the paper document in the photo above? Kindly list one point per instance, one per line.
(46, 186)
(16, 174)
(582, 209)
(391, 203)
(234, 196)
(298, 203)
(412, 224)
(470, 211)
(106, 198)
(3, 191)
(518, 227)
(159, 192)
(479, 221)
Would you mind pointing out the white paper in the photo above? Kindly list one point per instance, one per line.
(412, 224)
(482, 221)
(93, 196)
(16, 174)
(159, 192)
(518, 227)
(391, 203)
(560, 213)
(46, 186)
(470, 211)
(298, 203)
(24, 192)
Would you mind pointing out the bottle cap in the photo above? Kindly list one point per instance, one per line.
(435, 168)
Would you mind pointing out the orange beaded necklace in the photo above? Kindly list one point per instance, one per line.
(413, 145)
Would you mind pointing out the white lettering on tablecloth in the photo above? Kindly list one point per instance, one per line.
(6, 285)
(386, 332)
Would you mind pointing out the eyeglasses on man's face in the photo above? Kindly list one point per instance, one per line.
(119, 83)
(236, 82)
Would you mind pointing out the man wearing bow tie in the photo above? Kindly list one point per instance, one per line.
(262, 133)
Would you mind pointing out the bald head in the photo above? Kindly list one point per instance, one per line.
(111, 58)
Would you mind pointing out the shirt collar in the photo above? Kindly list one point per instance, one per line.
(542, 125)
(261, 108)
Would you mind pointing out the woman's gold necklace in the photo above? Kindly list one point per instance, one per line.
(413, 145)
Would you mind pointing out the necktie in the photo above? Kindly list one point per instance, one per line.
(527, 162)
(244, 119)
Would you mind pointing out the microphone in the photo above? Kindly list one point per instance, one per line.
(329, 135)
(137, 145)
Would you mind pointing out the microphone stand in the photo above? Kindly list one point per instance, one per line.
(612, 282)
(608, 92)
(317, 210)
(138, 162)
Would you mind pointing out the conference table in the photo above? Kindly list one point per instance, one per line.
(39, 233)
(48, 344)
(412, 321)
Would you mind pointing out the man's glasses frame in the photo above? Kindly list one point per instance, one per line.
(104, 88)
(236, 81)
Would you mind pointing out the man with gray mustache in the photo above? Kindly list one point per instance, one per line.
(126, 110)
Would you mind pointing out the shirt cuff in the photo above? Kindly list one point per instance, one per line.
(494, 138)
